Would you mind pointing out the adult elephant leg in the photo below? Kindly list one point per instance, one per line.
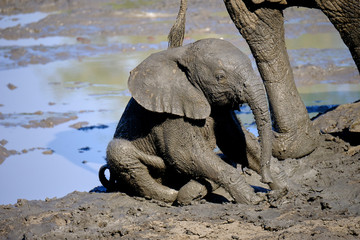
(345, 16)
(263, 29)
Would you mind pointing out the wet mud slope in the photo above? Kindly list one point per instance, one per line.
(324, 203)
(324, 197)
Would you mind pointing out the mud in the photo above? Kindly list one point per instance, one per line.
(324, 200)
(324, 203)
(37, 119)
(342, 121)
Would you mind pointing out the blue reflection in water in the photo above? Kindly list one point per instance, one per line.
(316, 103)
(20, 19)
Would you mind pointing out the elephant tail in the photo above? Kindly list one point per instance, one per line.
(177, 32)
(111, 184)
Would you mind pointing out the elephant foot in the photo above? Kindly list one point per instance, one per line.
(274, 197)
(276, 178)
(243, 192)
(250, 198)
(266, 176)
(279, 177)
(195, 190)
(190, 192)
(295, 144)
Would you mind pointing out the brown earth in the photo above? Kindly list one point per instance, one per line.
(324, 203)
(324, 200)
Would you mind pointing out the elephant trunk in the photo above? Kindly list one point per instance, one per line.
(255, 96)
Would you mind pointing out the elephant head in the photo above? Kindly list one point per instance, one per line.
(193, 80)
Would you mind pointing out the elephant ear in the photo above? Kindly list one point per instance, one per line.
(159, 84)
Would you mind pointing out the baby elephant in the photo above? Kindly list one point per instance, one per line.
(181, 109)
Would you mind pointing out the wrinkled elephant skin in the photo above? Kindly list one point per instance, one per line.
(182, 107)
(261, 23)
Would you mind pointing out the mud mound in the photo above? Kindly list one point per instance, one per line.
(343, 121)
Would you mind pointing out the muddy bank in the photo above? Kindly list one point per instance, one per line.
(324, 204)
(342, 121)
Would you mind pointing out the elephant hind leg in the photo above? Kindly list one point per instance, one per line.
(125, 160)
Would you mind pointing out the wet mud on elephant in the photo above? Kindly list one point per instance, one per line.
(261, 23)
(182, 107)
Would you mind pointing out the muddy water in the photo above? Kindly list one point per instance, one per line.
(61, 96)
(52, 157)
(21, 19)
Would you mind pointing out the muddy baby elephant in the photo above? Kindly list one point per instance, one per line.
(181, 108)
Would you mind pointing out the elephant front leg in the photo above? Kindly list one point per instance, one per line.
(279, 178)
(216, 170)
(263, 29)
(231, 180)
(196, 159)
(240, 145)
(131, 165)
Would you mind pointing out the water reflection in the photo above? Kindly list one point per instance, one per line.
(153, 42)
(94, 90)
(37, 176)
(46, 41)
(328, 40)
(21, 19)
(320, 97)
(317, 97)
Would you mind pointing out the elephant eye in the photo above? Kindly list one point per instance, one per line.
(220, 75)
